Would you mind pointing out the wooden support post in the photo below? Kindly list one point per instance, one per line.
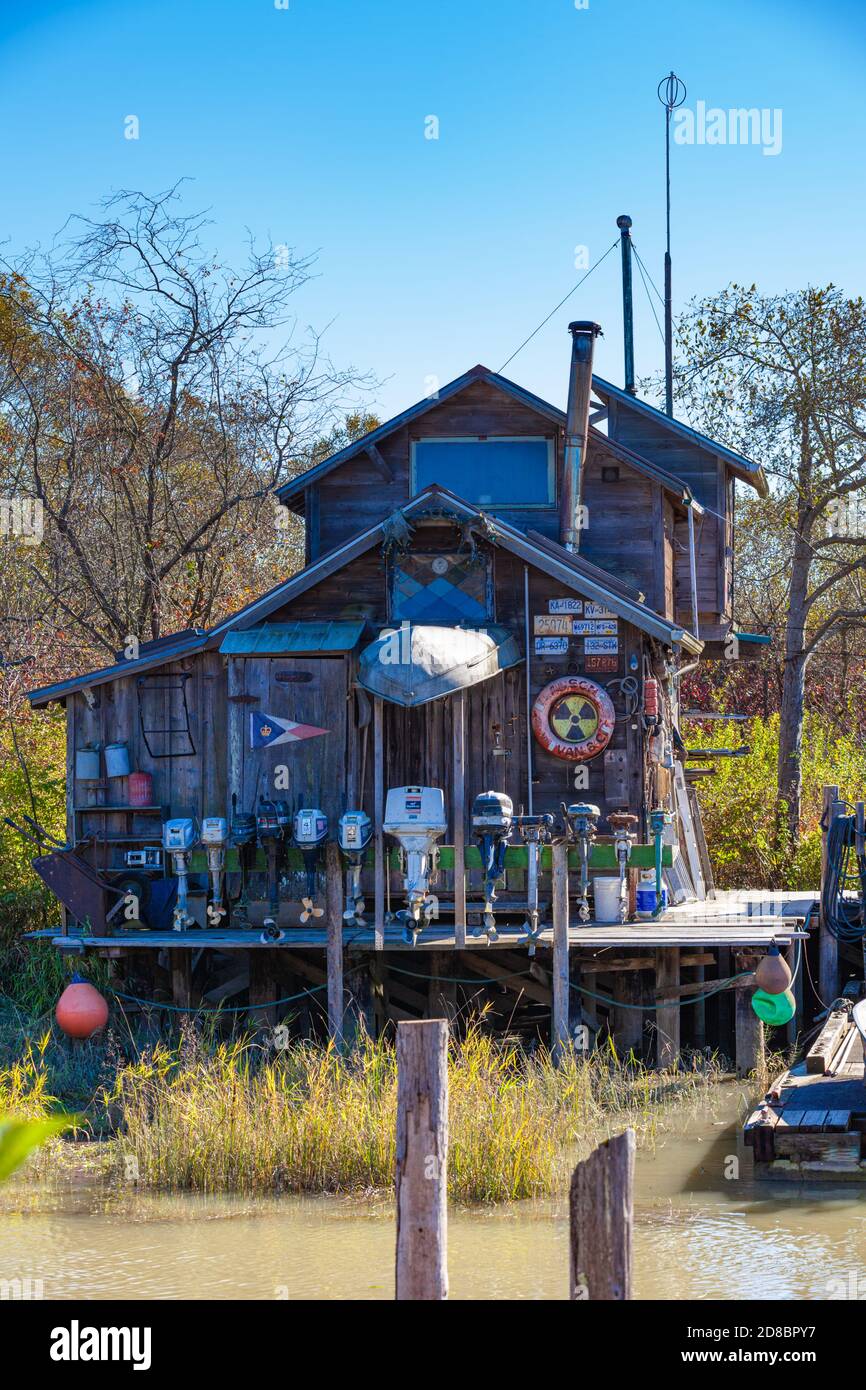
(725, 1001)
(442, 995)
(749, 1031)
(334, 919)
(667, 973)
(601, 1208)
(458, 711)
(378, 817)
(422, 1160)
(699, 1010)
(361, 1012)
(828, 946)
(559, 1034)
(579, 1038)
(627, 1019)
(262, 988)
(181, 978)
(795, 1024)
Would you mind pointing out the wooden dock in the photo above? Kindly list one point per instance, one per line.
(811, 1125)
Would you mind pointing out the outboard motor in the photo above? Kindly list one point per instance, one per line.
(582, 821)
(178, 838)
(271, 829)
(354, 832)
(415, 816)
(311, 830)
(492, 824)
(214, 834)
(623, 824)
(534, 831)
(243, 838)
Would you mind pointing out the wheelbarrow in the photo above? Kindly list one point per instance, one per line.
(85, 894)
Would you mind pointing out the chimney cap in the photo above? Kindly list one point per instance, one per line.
(623, 220)
(584, 326)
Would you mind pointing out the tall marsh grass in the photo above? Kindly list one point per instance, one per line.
(239, 1118)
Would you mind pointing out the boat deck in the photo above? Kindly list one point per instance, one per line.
(811, 1126)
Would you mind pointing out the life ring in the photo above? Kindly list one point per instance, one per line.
(573, 718)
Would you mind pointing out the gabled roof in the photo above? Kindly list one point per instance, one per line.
(294, 486)
(291, 491)
(546, 555)
(745, 468)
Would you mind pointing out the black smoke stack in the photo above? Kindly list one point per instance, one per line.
(583, 336)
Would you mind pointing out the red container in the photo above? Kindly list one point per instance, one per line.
(81, 1010)
(139, 786)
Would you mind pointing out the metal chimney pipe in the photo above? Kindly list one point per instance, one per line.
(624, 223)
(583, 335)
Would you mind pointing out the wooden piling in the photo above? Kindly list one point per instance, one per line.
(181, 978)
(667, 974)
(422, 1160)
(379, 869)
(334, 919)
(749, 1031)
(601, 1207)
(628, 1017)
(828, 946)
(560, 1040)
(262, 989)
(458, 707)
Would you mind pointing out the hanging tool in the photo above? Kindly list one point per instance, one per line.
(178, 838)
(623, 824)
(581, 819)
(415, 816)
(243, 837)
(492, 823)
(271, 831)
(354, 833)
(214, 834)
(534, 831)
(310, 831)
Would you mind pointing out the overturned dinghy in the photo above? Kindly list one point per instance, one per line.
(412, 665)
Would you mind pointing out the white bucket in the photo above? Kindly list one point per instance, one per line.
(606, 893)
(116, 760)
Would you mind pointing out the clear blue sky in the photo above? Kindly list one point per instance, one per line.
(306, 125)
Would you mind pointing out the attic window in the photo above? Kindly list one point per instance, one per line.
(491, 471)
(610, 473)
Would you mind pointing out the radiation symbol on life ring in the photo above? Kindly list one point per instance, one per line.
(573, 718)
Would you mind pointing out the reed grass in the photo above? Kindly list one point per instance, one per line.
(241, 1118)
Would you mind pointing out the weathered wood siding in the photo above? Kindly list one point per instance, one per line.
(190, 785)
(711, 484)
(357, 495)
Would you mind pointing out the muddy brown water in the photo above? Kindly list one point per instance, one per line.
(703, 1230)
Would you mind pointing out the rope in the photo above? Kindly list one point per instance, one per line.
(558, 306)
(662, 1004)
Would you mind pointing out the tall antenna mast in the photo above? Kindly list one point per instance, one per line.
(672, 93)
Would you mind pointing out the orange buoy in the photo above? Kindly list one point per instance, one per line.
(773, 974)
(81, 1010)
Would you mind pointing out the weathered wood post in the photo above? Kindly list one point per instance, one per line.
(667, 974)
(601, 1210)
(560, 1040)
(749, 1030)
(181, 979)
(422, 1160)
(458, 715)
(828, 946)
(380, 868)
(334, 918)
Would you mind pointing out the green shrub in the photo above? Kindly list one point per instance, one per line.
(738, 805)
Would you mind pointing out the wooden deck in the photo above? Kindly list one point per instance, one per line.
(811, 1126)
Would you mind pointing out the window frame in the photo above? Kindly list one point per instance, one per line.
(548, 440)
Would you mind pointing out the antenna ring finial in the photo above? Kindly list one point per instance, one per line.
(671, 91)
